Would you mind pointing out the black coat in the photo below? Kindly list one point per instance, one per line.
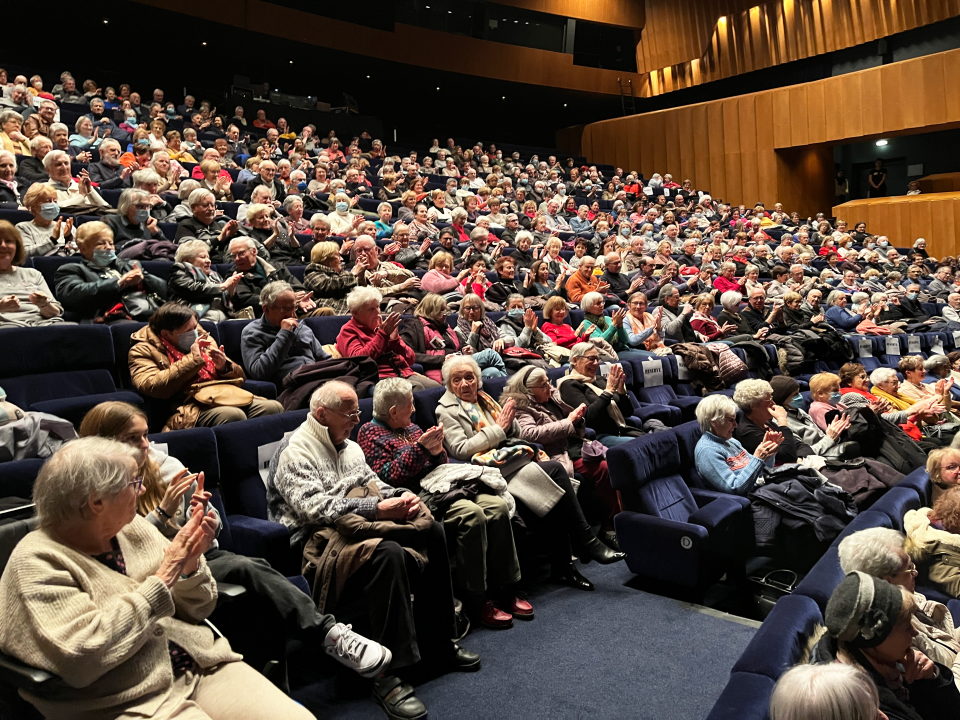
(411, 330)
(29, 171)
(106, 177)
(248, 289)
(185, 285)
(277, 184)
(86, 290)
(574, 392)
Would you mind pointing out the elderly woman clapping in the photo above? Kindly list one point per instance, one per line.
(48, 233)
(194, 282)
(478, 430)
(544, 418)
(929, 410)
(719, 458)
(367, 334)
(477, 525)
(100, 598)
(133, 222)
(608, 404)
(880, 553)
(25, 299)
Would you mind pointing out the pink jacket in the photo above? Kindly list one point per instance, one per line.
(436, 282)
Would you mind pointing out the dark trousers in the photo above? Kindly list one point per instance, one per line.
(376, 599)
(565, 522)
(282, 610)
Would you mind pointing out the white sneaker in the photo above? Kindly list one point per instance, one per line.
(366, 657)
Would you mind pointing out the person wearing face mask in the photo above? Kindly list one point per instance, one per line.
(95, 287)
(133, 222)
(173, 357)
(47, 233)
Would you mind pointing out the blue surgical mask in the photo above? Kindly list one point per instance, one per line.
(171, 112)
(649, 233)
(625, 231)
(141, 216)
(523, 181)
(186, 340)
(883, 243)
(911, 296)
(835, 397)
(871, 246)
(602, 233)
(515, 314)
(104, 257)
(796, 401)
(342, 207)
(49, 211)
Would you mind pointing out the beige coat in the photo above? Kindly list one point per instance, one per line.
(103, 633)
(938, 550)
(155, 376)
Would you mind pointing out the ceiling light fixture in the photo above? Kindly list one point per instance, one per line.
(881, 143)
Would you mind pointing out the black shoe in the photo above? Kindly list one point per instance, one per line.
(609, 538)
(464, 660)
(397, 699)
(593, 549)
(569, 575)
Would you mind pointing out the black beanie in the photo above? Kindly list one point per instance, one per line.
(863, 610)
(784, 388)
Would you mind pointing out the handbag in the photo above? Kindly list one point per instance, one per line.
(140, 305)
(222, 393)
(771, 587)
(521, 353)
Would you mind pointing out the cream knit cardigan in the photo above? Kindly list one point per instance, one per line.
(104, 633)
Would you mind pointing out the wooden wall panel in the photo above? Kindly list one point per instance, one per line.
(776, 145)
(626, 13)
(689, 43)
(936, 218)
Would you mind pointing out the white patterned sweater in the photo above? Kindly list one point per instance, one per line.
(309, 480)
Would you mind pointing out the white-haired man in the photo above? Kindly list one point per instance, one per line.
(321, 488)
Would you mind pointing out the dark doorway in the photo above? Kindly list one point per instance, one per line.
(896, 177)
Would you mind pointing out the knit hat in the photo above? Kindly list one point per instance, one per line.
(784, 388)
(863, 610)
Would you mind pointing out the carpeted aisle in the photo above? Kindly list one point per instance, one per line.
(613, 653)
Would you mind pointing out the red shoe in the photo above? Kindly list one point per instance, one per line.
(520, 609)
(494, 618)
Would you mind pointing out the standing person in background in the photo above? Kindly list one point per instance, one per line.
(878, 180)
(842, 187)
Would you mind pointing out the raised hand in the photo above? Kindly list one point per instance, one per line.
(390, 324)
(577, 414)
(836, 428)
(507, 414)
(530, 319)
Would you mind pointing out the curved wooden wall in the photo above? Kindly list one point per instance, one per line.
(776, 145)
(690, 43)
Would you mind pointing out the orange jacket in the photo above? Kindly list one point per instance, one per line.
(577, 287)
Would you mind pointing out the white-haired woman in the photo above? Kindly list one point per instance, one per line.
(720, 458)
(86, 136)
(11, 139)
(48, 233)
(608, 404)
(476, 429)
(194, 282)
(881, 552)
(367, 334)
(763, 420)
(98, 597)
(132, 222)
(477, 525)
(831, 691)
(544, 418)
(265, 228)
(342, 222)
(296, 223)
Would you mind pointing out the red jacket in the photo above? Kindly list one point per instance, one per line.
(393, 358)
(724, 285)
(562, 334)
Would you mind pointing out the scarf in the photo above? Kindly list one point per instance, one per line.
(600, 321)
(898, 402)
(206, 373)
(498, 457)
(488, 333)
(612, 409)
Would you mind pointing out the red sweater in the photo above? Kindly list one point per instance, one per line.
(561, 334)
(393, 358)
(724, 285)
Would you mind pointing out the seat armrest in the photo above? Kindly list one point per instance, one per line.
(260, 538)
(261, 388)
(20, 675)
(713, 514)
(704, 497)
(660, 548)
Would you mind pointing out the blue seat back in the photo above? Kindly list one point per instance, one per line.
(230, 334)
(646, 472)
(48, 267)
(365, 407)
(896, 502)
(26, 390)
(326, 329)
(17, 477)
(919, 481)
(244, 449)
(780, 642)
(425, 405)
(51, 349)
(688, 435)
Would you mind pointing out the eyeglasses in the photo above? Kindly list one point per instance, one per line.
(911, 568)
(355, 416)
(137, 483)
(591, 358)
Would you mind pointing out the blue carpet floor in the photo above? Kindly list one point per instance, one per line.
(613, 653)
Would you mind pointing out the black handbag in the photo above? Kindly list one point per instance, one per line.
(770, 588)
(140, 305)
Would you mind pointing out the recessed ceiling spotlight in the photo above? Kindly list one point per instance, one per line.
(881, 143)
